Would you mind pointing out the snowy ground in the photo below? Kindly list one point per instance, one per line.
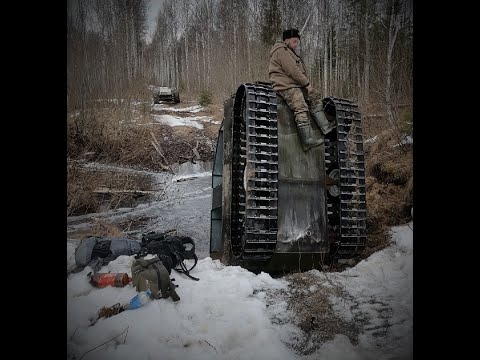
(365, 312)
(182, 119)
(231, 313)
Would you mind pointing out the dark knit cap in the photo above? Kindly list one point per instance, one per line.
(290, 33)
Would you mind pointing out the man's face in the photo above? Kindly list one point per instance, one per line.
(293, 43)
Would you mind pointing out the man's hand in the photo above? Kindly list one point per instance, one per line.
(309, 88)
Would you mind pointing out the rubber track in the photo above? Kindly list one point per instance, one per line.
(255, 164)
(347, 213)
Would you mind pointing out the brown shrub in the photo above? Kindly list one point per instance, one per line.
(391, 167)
(215, 110)
(211, 131)
(80, 186)
(388, 163)
(88, 190)
(409, 192)
(386, 205)
(389, 186)
(102, 228)
(116, 134)
(107, 132)
(105, 118)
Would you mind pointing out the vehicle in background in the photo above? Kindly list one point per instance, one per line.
(164, 93)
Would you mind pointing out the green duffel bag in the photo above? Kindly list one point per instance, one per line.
(152, 274)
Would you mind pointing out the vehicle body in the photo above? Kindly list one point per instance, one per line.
(166, 94)
(276, 207)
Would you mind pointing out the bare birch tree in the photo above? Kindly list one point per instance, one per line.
(352, 48)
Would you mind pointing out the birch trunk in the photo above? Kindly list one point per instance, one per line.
(366, 81)
(392, 35)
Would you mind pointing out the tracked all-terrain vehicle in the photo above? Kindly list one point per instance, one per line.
(166, 94)
(276, 207)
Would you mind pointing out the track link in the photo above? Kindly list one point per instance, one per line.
(255, 173)
(255, 176)
(345, 163)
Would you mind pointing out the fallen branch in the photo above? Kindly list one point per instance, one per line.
(210, 345)
(157, 147)
(195, 151)
(163, 166)
(107, 342)
(121, 191)
(188, 158)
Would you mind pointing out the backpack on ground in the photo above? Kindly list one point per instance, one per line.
(152, 275)
(97, 251)
(171, 250)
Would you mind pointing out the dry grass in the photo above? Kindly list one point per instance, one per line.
(123, 133)
(115, 139)
(386, 203)
(84, 184)
(184, 132)
(99, 228)
(80, 187)
(307, 297)
(389, 184)
(178, 143)
(389, 164)
(102, 228)
(211, 131)
(215, 111)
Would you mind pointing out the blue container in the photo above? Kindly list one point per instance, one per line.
(139, 300)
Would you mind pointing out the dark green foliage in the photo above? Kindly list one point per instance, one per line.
(205, 97)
